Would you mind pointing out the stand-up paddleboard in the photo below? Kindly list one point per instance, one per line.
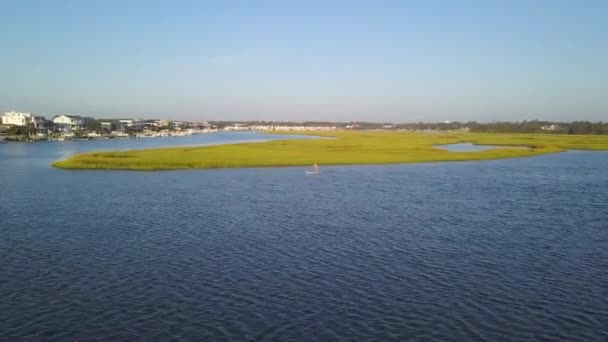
(315, 171)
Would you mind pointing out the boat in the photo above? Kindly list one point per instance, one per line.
(315, 171)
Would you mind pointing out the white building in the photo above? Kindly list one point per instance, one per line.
(68, 122)
(17, 119)
(551, 128)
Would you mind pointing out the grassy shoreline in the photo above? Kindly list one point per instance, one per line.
(348, 148)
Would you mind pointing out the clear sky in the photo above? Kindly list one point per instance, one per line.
(370, 60)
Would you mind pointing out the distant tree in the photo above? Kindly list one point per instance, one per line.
(597, 128)
(93, 126)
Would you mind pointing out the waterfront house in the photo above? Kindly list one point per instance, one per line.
(157, 124)
(130, 124)
(27, 119)
(17, 119)
(177, 125)
(69, 123)
(42, 125)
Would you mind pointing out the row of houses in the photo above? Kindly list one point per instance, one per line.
(137, 125)
(75, 123)
(242, 127)
(59, 123)
(70, 125)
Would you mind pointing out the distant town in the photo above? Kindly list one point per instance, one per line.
(20, 126)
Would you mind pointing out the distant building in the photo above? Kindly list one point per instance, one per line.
(17, 119)
(68, 123)
(42, 125)
(157, 124)
(280, 128)
(133, 124)
(106, 126)
(551, 128)
(177, 125)
(239, 127)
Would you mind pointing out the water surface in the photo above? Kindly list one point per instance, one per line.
(469, 147)
(471, 251)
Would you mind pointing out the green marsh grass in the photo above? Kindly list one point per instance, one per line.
(348, 147)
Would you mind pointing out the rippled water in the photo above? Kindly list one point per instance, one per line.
(495, 250)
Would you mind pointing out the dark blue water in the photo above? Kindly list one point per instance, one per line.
(511, 250)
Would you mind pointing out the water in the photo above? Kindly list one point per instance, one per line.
(469, 147)
(471, 251)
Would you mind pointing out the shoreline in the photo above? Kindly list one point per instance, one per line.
(96, 136)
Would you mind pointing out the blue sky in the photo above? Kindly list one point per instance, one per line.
(395, 61)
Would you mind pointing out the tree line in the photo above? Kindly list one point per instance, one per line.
(533, 126)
